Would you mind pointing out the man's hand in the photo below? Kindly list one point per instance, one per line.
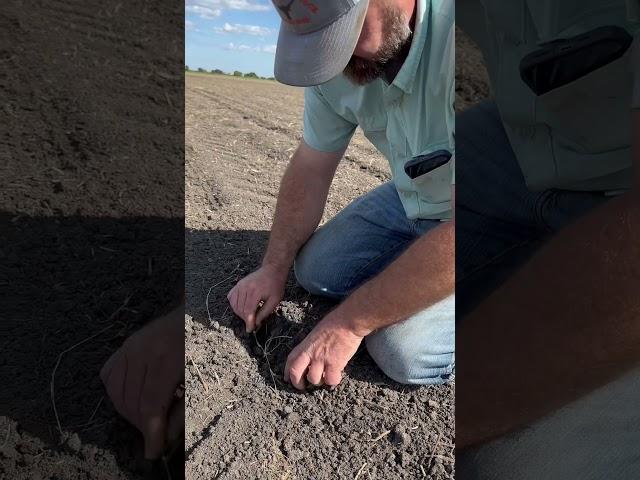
(323, 354)
(264, 285)
(142, 376)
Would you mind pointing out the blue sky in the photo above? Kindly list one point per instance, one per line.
(231, 35)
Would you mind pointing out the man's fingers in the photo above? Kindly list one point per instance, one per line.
(158, 390)
(314, 375)
(115, 383)
(136, 373)
(332, 375)
(298, 368)
(175, 424)
(234, 300)
(267, 309)
(250, 307)
(154, 431)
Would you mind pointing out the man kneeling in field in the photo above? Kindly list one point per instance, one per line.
(388, 67)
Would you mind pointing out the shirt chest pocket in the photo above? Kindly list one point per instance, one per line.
(589, 114)
(586, 114)
(435, 186)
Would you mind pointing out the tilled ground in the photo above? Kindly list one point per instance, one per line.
(242, 421)
(90, 235)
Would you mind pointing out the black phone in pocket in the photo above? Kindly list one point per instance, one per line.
(422, 164)
(560, 62)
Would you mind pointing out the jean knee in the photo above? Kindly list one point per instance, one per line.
(403, 364)
(315, 276)
(417, 351)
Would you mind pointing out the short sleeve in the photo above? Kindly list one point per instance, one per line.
(324, 129)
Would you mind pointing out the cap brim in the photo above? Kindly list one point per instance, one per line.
(310, 59)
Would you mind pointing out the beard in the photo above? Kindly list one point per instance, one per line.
(395, 33)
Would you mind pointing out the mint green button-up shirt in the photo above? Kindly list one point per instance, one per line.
(578, 136)
(412, 116)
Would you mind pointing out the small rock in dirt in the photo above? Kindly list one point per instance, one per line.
(438, 469)
(293, 417)
(433, 404)
(28, 448)
(88, 452)
(9, 452)
(399, 436)
(316, 423)
(288, 409)
(28, 459)
(393, 396)
(74, 443)
(433, 415)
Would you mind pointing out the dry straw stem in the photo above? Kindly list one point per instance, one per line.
(55, 368)
(382, 435)
(266, 357)
(6, 439)
(360, 471)
(204, 384)
(432, 455)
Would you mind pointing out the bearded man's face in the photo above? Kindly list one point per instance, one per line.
(392, 25)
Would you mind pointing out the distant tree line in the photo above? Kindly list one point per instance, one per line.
(236, 73)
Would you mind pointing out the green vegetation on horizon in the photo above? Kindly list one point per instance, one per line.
(236, 73)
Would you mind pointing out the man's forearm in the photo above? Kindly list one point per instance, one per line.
(566, 323)
(301, 200)
(423, 275)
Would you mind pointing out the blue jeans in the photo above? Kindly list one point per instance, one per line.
(499, 225)
(355, 246)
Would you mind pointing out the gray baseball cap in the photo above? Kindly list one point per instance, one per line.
(317, 38)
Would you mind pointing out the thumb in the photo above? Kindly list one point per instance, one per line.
(266, 310)
(155, 434)
(175, 427)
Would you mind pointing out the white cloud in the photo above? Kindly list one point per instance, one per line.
(209, 9)
(247, 48)
(190, 26)
(245, 29)
(204, 12)
(240, 48)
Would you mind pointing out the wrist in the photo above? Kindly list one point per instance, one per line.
(354, 324)
(281, 270)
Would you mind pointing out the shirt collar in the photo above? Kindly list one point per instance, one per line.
(406, 76)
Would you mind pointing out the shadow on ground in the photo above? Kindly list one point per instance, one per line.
(74, 288)
(215, 261)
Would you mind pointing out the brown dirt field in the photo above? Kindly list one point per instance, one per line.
(239, 136)
(472, 82)
(91, 229)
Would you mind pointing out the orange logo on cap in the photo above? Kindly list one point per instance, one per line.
(286, 11)
(310, 5)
